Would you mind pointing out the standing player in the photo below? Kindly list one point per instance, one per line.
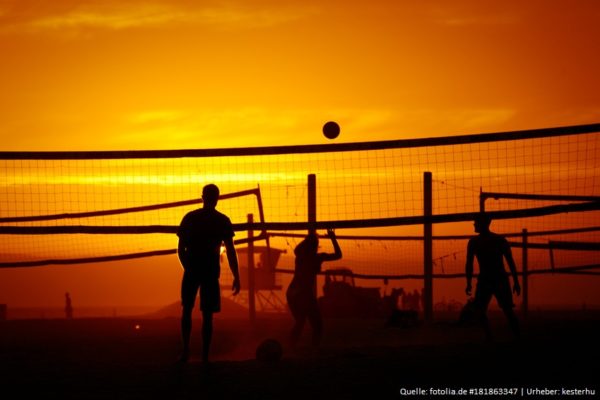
(201, 234)
(490, 250)
(68, 306)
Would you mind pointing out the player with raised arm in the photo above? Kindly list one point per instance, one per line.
(302, 293)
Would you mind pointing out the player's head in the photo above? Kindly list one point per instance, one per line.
(210, 195)
(312, 242)
(482, 222)
(309, 245)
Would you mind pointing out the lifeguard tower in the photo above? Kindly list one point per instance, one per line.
(266, 282)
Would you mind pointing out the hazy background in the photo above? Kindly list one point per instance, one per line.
(99, 75)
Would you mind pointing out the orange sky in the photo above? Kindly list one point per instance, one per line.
(177, 74)
(106, 74)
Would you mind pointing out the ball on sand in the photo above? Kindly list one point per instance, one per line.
(269, 350)
(331, 130)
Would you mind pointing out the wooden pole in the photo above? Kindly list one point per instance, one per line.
(312, 203)
(251, 277)
(525, 280)
(312, 208)
(481, 201)
(428, 247)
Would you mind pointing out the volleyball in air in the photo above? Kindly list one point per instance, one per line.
(331, 130)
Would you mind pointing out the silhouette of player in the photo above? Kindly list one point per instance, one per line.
(490, 250)
(416, 300)
(201, 234)
(406, 300)
(302, 293)
(68, 306)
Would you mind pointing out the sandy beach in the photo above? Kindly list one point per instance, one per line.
(135, 358)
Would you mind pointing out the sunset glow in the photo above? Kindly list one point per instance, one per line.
(154, 74)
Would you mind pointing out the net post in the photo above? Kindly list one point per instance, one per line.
(312, 203)
(312, 207)
(251, 277)
(525, 270)
(427, 247)
(261, 212)
(482, 199)
(261, 215)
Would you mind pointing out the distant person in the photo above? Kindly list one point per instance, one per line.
(406, 300)
(302, 293)
(68, 306)
(416, 300)
(490, 250)
(201, 234)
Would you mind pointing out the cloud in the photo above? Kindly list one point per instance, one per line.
(119, 16)
(454, 15)
(258, 126)
(156, 116)
(479, 20)
(478, 118)
(116, 18)
(410, 123)
(238, 17)
(204, 127)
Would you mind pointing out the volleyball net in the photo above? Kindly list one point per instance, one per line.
(77, 207)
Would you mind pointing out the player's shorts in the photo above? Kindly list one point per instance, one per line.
(499, 287)
(210, 292)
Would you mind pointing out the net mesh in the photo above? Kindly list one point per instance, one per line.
(362, 182)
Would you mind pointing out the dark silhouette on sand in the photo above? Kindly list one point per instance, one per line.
(412, 301)
(396, 316)
(201, 234)
(301, 294)
(415, 301)
(390, 302)
(68, 306)
(490, 250)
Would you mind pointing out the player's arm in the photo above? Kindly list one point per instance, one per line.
(182, 245)
(337, 251)
(233, 264)
(513, 268)
(182, 253)
(469, 267)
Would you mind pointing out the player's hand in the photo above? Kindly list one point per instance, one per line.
(517, 288)
(468, 289)
(330, 233)
(235, 288)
